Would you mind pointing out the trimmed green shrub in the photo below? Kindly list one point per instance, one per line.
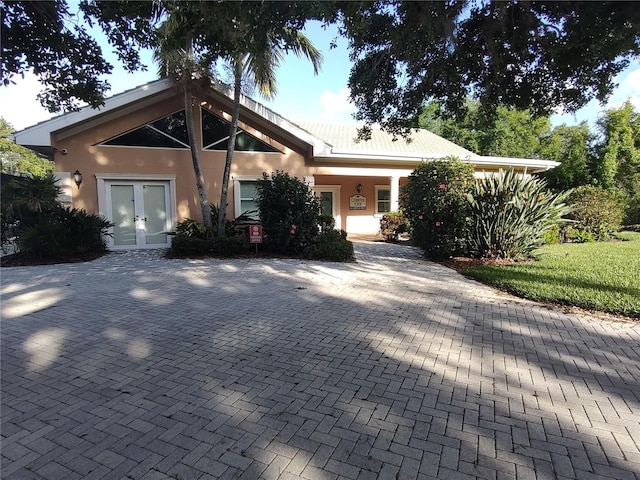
(331, 245)
(183, 246)
(597, 211)
(42, 227)
(64, 232)
(289, 213)
(392, 224)
(434, 202)
(326, 222)
(232, 245)
(511, 213)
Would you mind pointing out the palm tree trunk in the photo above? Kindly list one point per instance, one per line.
(235, 115)
(195, 158)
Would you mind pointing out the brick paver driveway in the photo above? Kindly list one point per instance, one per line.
(135, 367)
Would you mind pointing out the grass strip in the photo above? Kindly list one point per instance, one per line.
(602, 276)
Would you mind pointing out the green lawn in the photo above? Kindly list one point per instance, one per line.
(597, 276)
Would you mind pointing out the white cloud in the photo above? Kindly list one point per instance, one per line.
(19, 104)
(336, 106)
(628, 89)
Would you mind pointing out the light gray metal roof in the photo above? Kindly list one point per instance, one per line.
(422, 143)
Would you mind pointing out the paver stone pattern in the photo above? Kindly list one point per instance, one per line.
(137, 367)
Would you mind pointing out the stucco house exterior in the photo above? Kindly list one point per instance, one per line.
(135, 162)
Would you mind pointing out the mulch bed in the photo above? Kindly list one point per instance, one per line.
(22, 260)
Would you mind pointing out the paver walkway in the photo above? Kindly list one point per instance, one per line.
(135, 367)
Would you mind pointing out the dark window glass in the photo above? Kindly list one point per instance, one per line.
(144, 136)
(174, 125)
(168, 132)
(214, 129)
(215, 136)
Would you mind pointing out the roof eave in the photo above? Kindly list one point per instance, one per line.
(40, 134)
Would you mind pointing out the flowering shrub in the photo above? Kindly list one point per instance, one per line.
(288, 212)
(434, 202)
(393, 224)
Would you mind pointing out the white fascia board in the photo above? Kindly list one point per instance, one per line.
(333, 157)
(319, 146)
(40, 134)
(534, 165)
(530, 163)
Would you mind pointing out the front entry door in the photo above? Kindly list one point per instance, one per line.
(329, 197)
(139, 213)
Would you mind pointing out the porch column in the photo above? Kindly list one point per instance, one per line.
(395, 192)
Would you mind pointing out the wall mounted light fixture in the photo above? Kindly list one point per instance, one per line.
(359, 187)
(77, 177)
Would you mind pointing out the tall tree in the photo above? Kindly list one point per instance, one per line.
(572, 146)
(619, 147)
(258, 64)
(176, 59)
(510, 133)
(55, 42)
(16, 159)
(538, 55)
(619, 155)
(252, 37)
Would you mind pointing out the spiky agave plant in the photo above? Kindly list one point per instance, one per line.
(510, 213)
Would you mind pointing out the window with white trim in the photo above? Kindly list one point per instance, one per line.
(166, 132)
(215, 136)
(248, 197)
(383, 199)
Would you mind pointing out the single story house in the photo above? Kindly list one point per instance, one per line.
(134, 158)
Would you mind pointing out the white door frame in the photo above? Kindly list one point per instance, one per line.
(335, 190)
(104, 180)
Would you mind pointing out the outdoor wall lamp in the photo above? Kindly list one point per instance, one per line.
(77, 177)
(359, 187)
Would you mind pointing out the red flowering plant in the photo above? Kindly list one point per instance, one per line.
(434, 202)
(289, 213)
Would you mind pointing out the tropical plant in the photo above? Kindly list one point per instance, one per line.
(597, 212)
(258, 63)
(45, 229)
(434, 202)
(289, 212)
(510, 214)
(26, 199)
(192, 76)
(65, 232)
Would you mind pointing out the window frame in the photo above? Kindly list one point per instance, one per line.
(237, 199)
(208, 147)
(379, 188)
(147, 124)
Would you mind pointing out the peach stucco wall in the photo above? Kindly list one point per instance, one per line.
(84, 153)
(79, 148)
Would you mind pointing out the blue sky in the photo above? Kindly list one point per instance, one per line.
(301, 94)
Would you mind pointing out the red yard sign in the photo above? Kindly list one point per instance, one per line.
(255, 233)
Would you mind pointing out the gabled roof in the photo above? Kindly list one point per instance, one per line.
(330, 142)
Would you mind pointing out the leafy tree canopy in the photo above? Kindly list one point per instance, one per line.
(537, 55)
(15, 159)
(56, 43)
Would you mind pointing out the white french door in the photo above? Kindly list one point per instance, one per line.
(139, 211)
